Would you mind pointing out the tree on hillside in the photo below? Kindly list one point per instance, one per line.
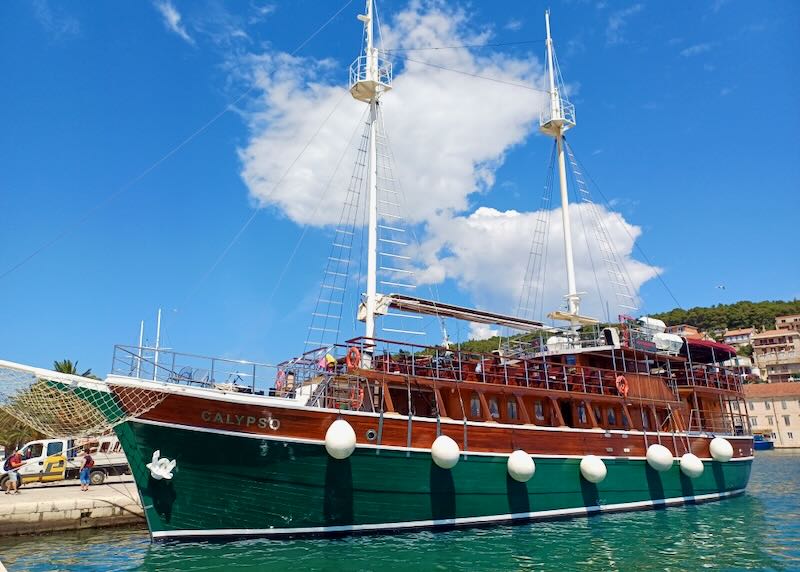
(66, 366)
(742, 314)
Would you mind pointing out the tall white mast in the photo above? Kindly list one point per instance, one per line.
(139, 350)
(158, 341)
(555, 122)
(370, 77)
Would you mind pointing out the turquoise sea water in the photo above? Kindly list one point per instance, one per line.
(757, 531)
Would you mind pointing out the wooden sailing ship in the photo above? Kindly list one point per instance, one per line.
(373, 434)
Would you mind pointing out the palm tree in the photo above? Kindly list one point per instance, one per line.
(66, 366)
(14, 432)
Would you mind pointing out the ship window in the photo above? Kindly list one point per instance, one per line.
(752, 406)
(539, 411)
(612, 416)
(645, 420)
(494, 408)
(475, 405)
(582, 413)
(789, 434)
(598, 414)
(754, 421)
(766, 405)
(783, 405)
(786, 420)
(511, 407)
(769, 419)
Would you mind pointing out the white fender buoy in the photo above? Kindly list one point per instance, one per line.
(659, 457)
(521, 466)
(340, 439)
(721, 449)
(161, 468)
(445, 452)
(593, 468)
(691, 465)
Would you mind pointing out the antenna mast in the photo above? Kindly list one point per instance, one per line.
(555, 121)
(370, 77)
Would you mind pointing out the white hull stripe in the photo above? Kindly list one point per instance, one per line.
(461, 521)
(321, 442)
(286, 403)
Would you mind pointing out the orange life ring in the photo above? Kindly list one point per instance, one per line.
(356, 399)
(353, 357)
(622, 385)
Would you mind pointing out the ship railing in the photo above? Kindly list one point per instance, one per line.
(193, 370)
(554, 342)
(718, 422)
(349, 392)
(447, 364)
(711, 376)
(360, 72)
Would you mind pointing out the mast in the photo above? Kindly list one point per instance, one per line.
(158, 341)
(139, 350)
(555, 121)
(370, 77)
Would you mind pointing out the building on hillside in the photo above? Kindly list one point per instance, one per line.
(777, 354)
(686, 331)
(774, 411)
(738, 338)
(790, 322)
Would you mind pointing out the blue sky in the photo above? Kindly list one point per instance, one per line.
(687, 120)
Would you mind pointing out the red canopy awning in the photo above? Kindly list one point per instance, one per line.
(707, 351)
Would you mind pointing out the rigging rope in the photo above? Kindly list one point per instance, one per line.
(625, 228)
(256, 211)
(475, 75)
(306, 226)
(497, 45)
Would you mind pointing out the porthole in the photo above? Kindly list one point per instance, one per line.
(371, 434)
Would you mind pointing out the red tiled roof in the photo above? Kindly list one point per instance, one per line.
(777, 389)
(739, 332)
(772, 333)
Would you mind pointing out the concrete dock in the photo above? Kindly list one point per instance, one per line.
(51, 507)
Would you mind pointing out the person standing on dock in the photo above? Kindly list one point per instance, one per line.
(11, 466)
(86, 465)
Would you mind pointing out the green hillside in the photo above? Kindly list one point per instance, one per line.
(712, 319)
(742, 314)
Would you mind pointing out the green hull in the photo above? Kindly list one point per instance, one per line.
(230, 485)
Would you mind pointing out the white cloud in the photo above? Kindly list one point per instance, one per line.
(57, 23)
(696, 49)
(617, 22)
(446, 143)
(513, 25)
(486, 253)
(449, 133)
(482, 331)
(172, 19)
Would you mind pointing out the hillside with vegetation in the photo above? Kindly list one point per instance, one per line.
(712, 319)
(744, 314)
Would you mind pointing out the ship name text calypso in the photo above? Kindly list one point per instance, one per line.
(241, 420)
